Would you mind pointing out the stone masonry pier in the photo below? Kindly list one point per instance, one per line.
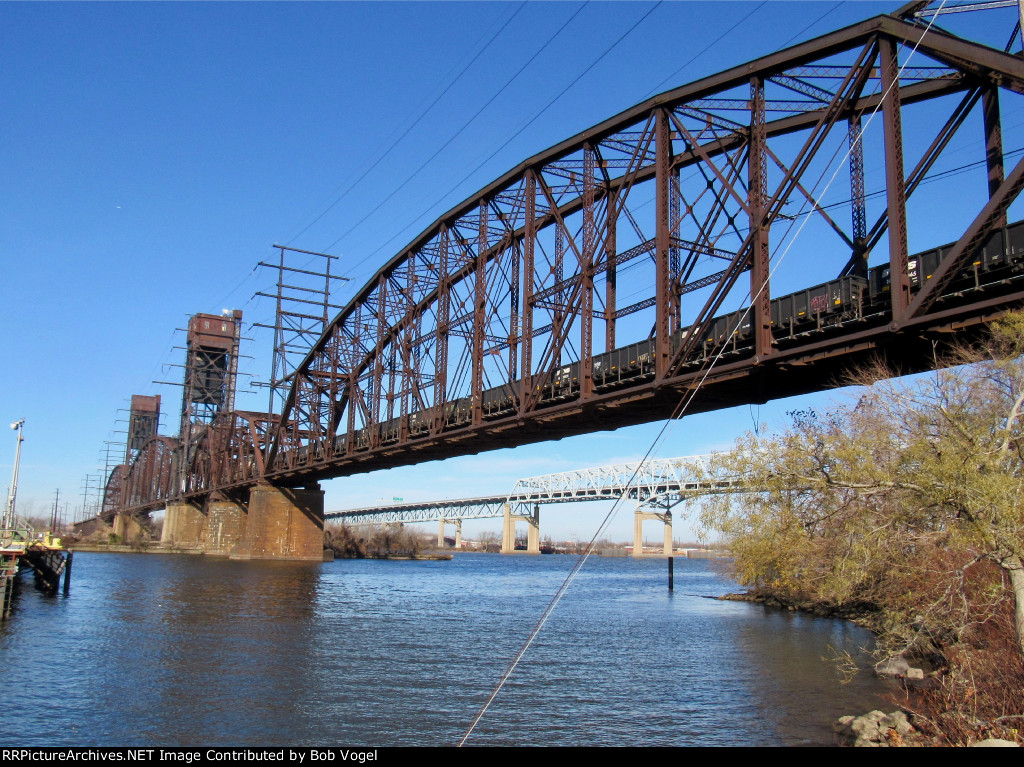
(276, 523)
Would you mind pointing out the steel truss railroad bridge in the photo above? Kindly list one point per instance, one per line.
(596, 284)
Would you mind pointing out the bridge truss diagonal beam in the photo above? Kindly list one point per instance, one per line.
(596, 284)
(494, 304)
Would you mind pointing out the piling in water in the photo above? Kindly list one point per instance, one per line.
(67, 572)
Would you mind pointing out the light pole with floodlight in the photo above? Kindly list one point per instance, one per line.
(8, 521)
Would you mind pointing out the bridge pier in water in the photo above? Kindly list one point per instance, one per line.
(508, 535)
(184, 525)
(226, 524)
(638, 530)
(126, 527)
(458, 531)
(283, 523)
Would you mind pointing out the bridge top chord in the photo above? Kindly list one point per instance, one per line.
(506, 321)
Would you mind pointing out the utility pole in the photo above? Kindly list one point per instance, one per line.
(53, 517)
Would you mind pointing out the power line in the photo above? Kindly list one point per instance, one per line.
(829, 12)
(457, 133)
(678, 413)
(731, 28)
(393, 145)
(530, 122)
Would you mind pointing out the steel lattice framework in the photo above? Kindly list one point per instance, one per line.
(661, 483)
(581, 290)
(150, 479)
(230, 452)
(484, 507)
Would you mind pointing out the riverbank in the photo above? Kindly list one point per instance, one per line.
(125, 548)
(862, 614)
(896, 729)
(424, 556)
(929, 713)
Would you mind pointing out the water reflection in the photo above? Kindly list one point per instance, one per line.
(164, 650)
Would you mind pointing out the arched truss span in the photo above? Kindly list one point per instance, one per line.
(149, 482)
(587, 282)
(113, 493)
(229, 452)
(223, 454)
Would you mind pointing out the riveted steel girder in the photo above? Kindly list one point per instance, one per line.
(500, 285)
(487, 329)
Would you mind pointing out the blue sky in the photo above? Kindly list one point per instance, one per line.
(153, 153)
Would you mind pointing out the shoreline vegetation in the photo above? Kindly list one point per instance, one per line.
(902, 510)
(380, 542)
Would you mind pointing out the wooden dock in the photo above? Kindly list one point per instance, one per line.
(42, 553)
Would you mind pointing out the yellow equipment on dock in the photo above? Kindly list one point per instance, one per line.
(23, 549)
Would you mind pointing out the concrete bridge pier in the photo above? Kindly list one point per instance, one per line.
(127, 527)
(226, 523)
(638, 530)
(283, 523)
(184, 525)
(508, 535)
(458, 531)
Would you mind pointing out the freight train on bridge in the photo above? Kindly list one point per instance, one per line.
(827, 309)
(501, 323)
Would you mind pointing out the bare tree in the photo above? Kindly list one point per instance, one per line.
(902, 499)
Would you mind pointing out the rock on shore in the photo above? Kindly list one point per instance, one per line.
(877, 728)
(874, 729)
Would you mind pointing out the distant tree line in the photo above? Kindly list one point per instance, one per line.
(374, 541)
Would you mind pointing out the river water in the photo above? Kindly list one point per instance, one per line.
(163, 650)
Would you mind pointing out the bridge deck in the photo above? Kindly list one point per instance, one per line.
(502, 323)
(660, 483)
